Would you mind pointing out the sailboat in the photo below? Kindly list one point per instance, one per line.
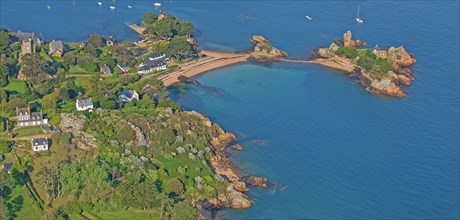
(157, 4)
(99, 3)
(357, 18)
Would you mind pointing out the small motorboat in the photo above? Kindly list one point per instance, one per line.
(48, 7)
(99, 3)
(112, 7)
(157, 4)
(309, 18)
(129, 6)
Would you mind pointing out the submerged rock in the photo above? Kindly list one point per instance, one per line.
(237, 147)
(255, 181)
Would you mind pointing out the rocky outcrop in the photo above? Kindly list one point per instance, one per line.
(349, 42)
(74, 125)
(223, 140)
(255, 181)
(263, 51)
(400, 58)
(231, 199)
(386, 87)
(240, 186)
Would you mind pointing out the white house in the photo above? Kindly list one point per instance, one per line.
(39, 145)
(84, 104)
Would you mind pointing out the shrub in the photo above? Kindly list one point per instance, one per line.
(349, 52)
(175, 186)
(5, 146)
(383, 65)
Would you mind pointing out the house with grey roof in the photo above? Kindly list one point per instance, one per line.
(128, 95)
(39, 145)
(56, 48)
(38, 39)
(25, 117)
(84, 104)
(155, 62)
(105, 70)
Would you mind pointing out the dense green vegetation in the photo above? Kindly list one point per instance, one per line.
(139, 160)
(377, 66)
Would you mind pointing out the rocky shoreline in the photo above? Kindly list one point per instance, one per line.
(388, 81)
(234, 196)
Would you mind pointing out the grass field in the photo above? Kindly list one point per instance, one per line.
(79, 70)
(130, 214)
(45, 55)
(27, 131)
(15, 85)
(25, 206)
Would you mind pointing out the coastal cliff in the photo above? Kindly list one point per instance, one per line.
(380, 71)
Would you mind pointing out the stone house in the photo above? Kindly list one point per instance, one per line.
(56, 48)
(26, 118)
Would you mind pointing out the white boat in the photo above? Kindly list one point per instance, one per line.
(309, 18)
(357, 18)
(157, 4)
(49, 7)
(129, 6)
(112, 7)
(99, 3)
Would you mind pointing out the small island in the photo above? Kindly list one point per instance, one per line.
(380, 71)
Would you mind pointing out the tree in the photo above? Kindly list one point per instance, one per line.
(4, 40)
(160, 29)
(35, 68)
(175, 186)
(149, 18)
(3, 209)
(179, 48)
(70, 59)
(184, 210)
(4, 71)
(90, 50)
(95, 40)
(49, 101)
(349, 52)
(71, 179)
(5, 147)
(185, 28)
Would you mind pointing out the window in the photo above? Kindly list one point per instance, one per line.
(35, 148)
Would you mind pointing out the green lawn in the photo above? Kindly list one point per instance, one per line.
(45, 55)
(26, 207)
(58, 59)
(79, 70)
(15, 85)
(129, 214)
(27, 131)
(79, 80)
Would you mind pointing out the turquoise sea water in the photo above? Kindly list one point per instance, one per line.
(334, 150)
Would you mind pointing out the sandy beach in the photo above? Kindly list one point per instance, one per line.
(213, 61)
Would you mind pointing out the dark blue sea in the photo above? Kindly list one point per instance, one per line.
(333, 150)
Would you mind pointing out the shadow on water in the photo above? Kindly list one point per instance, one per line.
(178, 92)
